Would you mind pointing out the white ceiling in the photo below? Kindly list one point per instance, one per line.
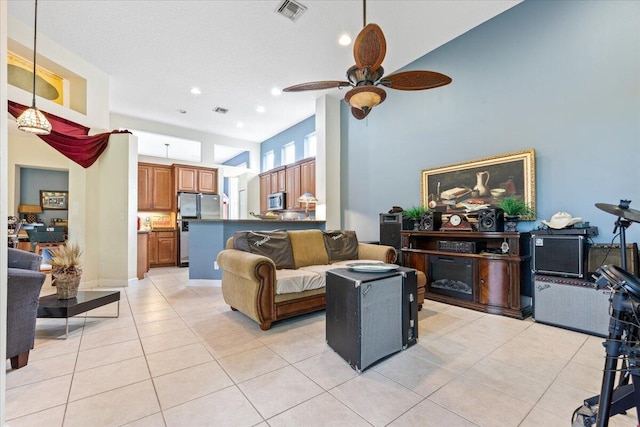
(236, 51)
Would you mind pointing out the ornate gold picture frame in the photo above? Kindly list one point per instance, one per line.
(467, 186)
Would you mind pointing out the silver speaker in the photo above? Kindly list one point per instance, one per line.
(571, 303)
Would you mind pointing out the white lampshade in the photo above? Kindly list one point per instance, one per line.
(33, 121)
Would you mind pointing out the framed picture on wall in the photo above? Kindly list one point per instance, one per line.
(51, 200)
(476, 184)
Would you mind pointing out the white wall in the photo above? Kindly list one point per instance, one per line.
(53, 55)
(3, 203)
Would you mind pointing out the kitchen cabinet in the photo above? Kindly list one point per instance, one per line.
(162, 248)
(469, 269)
(143, 254)
(294, 179)
(293, 186)
(193, 179)
(308, 177)
(265, 190)
(155, 187)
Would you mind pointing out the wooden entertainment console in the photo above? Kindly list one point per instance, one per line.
(469, 268)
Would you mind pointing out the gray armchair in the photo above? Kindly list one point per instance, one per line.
(23, 290)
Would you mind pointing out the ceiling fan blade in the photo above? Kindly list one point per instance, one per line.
(370, 47)
(326, 84)
(415, 80)
(359, 114)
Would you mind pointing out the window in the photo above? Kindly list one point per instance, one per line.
(288, 153)
(268, 161)
(310, 145)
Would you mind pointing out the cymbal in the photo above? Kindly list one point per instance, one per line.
(628, 213)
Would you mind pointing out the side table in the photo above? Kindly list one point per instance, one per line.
(51, 307)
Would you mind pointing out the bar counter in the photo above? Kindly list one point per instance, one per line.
(208, 237)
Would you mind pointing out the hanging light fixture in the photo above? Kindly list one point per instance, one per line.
(32, 120)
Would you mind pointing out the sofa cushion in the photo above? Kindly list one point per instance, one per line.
(289, 281)
(308, 247)
(272, 244)
(341, 245)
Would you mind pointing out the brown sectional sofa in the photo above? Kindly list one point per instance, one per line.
(252, 285)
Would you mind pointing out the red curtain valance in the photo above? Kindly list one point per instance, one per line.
(71, 139)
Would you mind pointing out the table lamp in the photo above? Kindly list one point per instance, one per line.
(307, 198)
(30, 212)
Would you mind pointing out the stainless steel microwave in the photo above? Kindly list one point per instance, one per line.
(277, 201)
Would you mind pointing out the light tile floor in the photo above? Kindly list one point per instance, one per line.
(178, 356)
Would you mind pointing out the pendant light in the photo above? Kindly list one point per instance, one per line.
(32, 120)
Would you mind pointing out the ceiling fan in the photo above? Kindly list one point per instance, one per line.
(366, 76)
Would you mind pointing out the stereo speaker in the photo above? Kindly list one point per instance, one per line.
(572, 304)
(606, 254)
(491, 219)
(390, 228)
(431, 221)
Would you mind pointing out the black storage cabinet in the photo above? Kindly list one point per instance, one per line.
(371, 315)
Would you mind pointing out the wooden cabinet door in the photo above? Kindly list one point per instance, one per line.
(166, 247)
(282, 180)
(308, 177)
(153, 248)
(293, 186)
(265, 190)
(187, 179)
(208, 181)
(163, 193)
(494, 282)
(145, 191)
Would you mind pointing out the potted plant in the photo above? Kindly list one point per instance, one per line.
(413, 216)
(66, 270)
(514, 210)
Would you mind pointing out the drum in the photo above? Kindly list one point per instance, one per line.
(625, 280)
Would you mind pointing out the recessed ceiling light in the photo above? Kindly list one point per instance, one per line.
(196, 91)
(239, 124)
(275, 91)
(260, 109)
(182, 111)
(344, 40)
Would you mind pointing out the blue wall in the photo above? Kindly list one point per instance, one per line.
(295, 133)
(33, 180)
(560, 77)
(240, 158)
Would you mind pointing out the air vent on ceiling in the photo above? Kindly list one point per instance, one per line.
(221, 110)
(291, 9)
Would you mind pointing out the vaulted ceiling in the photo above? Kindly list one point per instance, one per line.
(235, 52)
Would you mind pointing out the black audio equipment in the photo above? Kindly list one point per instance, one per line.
(371, 315)
(460, 246)
(559, 255)
(610, 254)
(390, 228)
(431, 221)
(491, 219)
(571, 303)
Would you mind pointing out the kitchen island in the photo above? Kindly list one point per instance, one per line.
(208, 237)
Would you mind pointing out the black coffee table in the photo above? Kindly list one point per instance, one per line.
(51, 307)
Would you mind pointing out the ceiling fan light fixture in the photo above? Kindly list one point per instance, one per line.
(32, 120)
(365, 97)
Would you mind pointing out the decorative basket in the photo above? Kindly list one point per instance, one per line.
(66, 287)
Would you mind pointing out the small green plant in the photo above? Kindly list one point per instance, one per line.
(415, 212)
(516, 207)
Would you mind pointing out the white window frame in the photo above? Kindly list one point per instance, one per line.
(310, 145)
(288, 153)
(268, 160)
